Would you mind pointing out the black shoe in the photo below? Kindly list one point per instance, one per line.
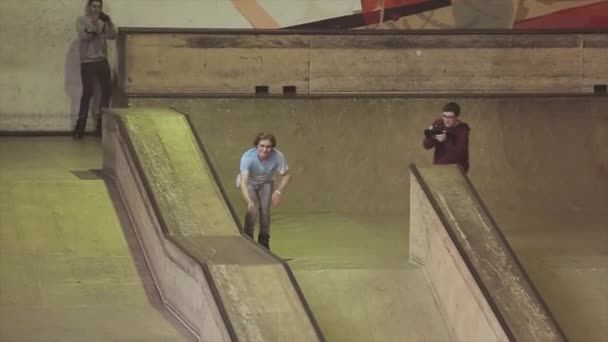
(81, 124)
(98, 127)
(78, 132)
(264, 240)
(77, 135)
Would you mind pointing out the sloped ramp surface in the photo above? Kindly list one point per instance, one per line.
(253, 295)
(480, 284)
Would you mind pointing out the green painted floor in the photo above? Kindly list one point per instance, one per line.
(71, 269)
(355, 274)
(565, 253)
(70, 266)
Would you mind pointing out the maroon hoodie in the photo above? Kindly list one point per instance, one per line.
(455, 150)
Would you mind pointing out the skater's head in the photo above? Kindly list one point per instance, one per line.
(95, 7)
(264, 143)
(451, 111)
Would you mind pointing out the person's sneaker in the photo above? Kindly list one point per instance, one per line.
(98, 127)
(77, 134)
(79, 128)
(264, 240)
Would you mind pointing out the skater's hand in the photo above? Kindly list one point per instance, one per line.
(441, 137)
(250, 206)
(276, 198)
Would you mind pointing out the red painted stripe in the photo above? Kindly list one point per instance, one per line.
(592, 16)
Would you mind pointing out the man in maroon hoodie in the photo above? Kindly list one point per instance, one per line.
(450, 138)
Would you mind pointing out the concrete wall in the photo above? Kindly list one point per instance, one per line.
(352, 155)
(212, 62)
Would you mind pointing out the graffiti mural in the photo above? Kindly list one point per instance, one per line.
(430, 14)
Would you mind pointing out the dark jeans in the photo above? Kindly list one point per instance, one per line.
(89, 72)
(260, 195)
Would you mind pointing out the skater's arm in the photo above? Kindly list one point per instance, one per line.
(245, 190)
(283, 169)
(276, 195)
(109, 31)
(429, 142)
(432, 141)
(285, 179)
(245, 166)
(85, 28)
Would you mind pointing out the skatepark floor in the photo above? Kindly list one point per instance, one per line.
(565, 253)
(548, 198)
(72, 269)
(355, 274)
(70, 266)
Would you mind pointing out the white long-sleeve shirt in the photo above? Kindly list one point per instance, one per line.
(93, 38)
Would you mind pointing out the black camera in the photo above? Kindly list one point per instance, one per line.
(433, 131)
(104, 17)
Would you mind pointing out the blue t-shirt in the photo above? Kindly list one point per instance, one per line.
(262, 171)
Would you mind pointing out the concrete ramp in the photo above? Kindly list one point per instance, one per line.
(480, 285)
(221, 284)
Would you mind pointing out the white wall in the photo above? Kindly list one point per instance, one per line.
(39, 63)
